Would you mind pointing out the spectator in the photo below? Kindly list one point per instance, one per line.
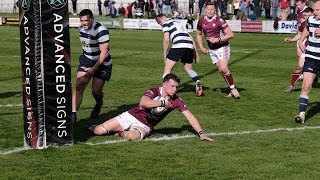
(175, 5)
(190, 22)
(148, 8)
(121, 10)
(129, 10)
(168, 5)
(99, 7)
(292, 15)
(74, 7)
(222, 4)
(139, 13)
(201, 4)
(284, 5)
(113, 10)
(256, 7)
(275, 6)
(106, 7)
(14, 10)
(191, 7)
(267, 8)
(252, 16)
(236, 5)
(160, 6)
(241, 15)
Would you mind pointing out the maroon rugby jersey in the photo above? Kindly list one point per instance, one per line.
(146, 117)
(300, 29)
(213, 28)
(300, 15)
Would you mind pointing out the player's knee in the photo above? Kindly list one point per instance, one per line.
(100, 130)
(224, 71)
(80, 84)
(306, 87)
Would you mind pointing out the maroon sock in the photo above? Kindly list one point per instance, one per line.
(294, 78)
(229, 79)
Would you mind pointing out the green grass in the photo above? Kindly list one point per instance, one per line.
(261, 65)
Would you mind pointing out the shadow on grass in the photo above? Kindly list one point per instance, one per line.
(174, 130)
(81, 132)
(226, 90)
(314, 109)
(10, 94)
(185, 86)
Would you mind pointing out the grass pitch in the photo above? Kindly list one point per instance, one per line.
(261, 65)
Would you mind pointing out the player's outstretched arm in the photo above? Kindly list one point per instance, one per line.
(196, 125)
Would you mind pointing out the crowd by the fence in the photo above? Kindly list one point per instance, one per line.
(235, 9)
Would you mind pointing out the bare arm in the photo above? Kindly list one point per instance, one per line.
(166, 42)
(228, 34)
(196, 125)
(199, 40)
(197, 58)
(294, 39)
(148, 103)
(304, 35)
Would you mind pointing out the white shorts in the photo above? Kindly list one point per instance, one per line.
(127, 121)
(222, 53)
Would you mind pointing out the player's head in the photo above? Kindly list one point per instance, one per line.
(300, 4)
(210, 9)
(307, 13)
(316, 8)
(170, 83)
(161, 18)
(86, 18)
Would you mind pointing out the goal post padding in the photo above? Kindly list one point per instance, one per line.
(52, 123)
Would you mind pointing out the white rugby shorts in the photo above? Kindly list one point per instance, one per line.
(127, 121)
(222, 53)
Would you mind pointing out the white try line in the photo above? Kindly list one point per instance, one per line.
(175, 137)
(10, 105)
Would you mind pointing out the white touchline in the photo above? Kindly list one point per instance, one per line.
(176, 136)
(10, 105)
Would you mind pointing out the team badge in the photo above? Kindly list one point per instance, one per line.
(214, 25)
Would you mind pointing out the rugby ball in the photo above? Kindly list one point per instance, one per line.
(158, 110)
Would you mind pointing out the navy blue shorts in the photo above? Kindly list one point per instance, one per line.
(311, 65)
(185, 54)
(103, 72)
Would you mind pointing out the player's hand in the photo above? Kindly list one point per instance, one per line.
(213, 40)
(204, 50)
(287, 40)
(317, 33)
(167, 104)
(204, 137)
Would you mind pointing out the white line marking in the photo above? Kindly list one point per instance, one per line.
(10, 105)
(15, 150)
(176, 136)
